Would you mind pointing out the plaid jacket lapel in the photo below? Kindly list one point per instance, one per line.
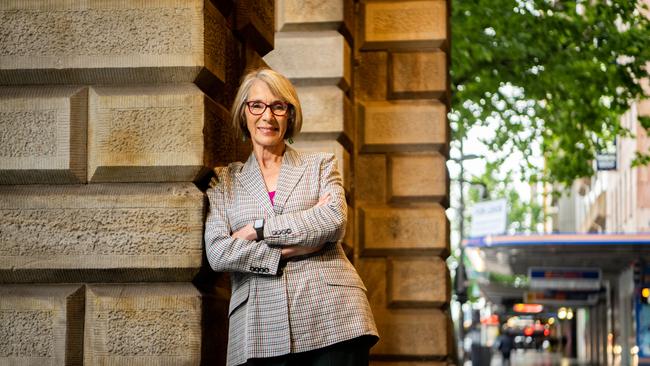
(251, 179)
(290, 173)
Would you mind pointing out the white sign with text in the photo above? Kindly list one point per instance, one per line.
(489, 218)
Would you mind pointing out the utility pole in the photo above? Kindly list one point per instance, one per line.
(461, 274)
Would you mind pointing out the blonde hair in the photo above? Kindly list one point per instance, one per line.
(281, 87)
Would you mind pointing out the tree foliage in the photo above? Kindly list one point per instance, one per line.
(551, 74)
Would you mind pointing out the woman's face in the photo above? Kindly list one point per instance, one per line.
(267, 129)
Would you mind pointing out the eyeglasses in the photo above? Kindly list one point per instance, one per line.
(258, 108)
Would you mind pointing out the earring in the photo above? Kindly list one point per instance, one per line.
(290, 140)
(243, 138)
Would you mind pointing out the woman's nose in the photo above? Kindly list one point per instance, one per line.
(267, 114)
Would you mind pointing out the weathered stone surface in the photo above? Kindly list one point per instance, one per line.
(142, 324)
(295, 15)
(418, 74)
(41, 324)
(312, 58)
(330, 146)
(407, 333)
(371, 76)
(403, 126)
(370, 178)
(418, 177)
(403, 231)
(152, 134)
(43, 135)
(324, 111)
(254, 19)
(252, 59)
(105, 42)
(404, 24)
(107, 232)
(417, 282)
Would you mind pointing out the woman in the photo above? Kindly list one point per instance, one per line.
(275, 223)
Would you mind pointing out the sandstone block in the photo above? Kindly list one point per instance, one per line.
(41, 324)
(412, 332)
(342, 156)
(255, 20)
(418, 177)
(370, 178)
(403, 126)
(404, 24)
(418, 74)
(312, 58)
(408, 333)
(100, 232)
(417, 282)
(403, 230)
(106, 42)
(153, 134)
(142, 324)
(293, 15)
(326, 111)
(43, 135)
(371, 76)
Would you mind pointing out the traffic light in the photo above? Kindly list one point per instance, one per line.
(645, 295)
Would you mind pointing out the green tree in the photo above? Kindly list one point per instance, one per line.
(551, 74)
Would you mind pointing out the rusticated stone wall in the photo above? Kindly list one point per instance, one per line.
(373, 79)
(112, 114)
(401, 184)
(313, 48)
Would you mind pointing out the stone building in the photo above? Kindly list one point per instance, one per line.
(112, 114)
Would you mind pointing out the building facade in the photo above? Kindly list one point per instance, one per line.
(112, 116)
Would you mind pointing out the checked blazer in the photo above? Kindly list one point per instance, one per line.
(279, 307)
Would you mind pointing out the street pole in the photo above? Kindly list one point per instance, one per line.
(461, 274)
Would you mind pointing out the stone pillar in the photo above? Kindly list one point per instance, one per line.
(401, 90)
(312, 48)
(112, 116)
(372, 77)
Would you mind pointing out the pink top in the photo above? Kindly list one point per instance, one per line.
(271, 195)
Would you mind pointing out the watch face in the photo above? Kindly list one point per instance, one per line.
(258, 223)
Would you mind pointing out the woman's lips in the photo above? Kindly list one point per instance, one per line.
(267, 130)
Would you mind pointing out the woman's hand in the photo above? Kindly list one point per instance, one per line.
(297, 250)
(323, 200)
(246, 233)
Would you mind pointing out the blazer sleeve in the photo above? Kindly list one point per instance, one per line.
(227, 254)
(317, 225)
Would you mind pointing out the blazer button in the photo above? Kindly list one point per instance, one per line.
(288, 231)
(266, 270)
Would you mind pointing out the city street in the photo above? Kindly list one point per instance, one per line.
(533, 358)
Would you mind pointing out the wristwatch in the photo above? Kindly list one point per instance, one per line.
(258, 225)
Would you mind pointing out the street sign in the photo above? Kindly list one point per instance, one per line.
(561, 298)
(564, 278)
(488, 218)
